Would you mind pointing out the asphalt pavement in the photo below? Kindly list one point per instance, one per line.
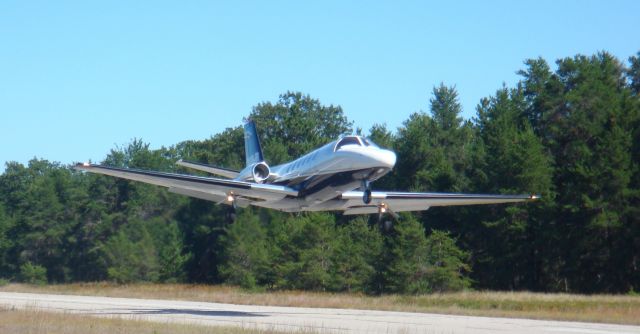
(317, 320)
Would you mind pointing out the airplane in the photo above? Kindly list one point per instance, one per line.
(334, 177)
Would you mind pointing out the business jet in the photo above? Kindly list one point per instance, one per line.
(334, 177)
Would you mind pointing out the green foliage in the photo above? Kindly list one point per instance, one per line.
(245, 252)
(171, 254)
(306, 251)
(448, 264)
(358, 247)
(419, 264)
(131, 255)
(33, 273)
(433, 150)
(5, 242)
(587, 119)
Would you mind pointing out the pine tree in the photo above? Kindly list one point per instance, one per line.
(358, 248)
(245, 252)
(417, 264)
(585, 108)
(131, 255)
(5, 244)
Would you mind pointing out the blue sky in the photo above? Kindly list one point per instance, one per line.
(78, 78)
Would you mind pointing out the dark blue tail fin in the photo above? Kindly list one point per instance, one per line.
(252, 149)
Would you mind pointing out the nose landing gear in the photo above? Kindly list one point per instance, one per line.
(366, 195)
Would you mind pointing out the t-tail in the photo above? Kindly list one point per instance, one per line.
(256, 169)
(252, 148)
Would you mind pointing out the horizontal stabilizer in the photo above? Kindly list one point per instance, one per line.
(228, 173)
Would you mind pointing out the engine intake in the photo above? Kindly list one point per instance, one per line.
(260, 172)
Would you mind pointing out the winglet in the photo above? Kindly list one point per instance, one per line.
(82, 165)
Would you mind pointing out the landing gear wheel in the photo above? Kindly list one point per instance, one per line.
(387, 225)
(231, 214)
(366, 195)
(386, 218)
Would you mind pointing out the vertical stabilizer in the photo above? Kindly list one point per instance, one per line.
(252, 148)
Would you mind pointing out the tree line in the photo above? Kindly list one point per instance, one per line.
(571, 134)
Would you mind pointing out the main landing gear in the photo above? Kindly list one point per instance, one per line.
(386, 217)
(231, 212)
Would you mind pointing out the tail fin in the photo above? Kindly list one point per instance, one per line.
(252, 148)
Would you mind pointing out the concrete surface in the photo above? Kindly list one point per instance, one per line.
(320, 320)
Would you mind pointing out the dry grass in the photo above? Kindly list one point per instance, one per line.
(42, 322)
(597, 308)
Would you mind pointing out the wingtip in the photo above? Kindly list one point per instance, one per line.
(81, 165)
(534, 197)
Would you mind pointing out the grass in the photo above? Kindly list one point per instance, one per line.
(42, 322)
(617, 309)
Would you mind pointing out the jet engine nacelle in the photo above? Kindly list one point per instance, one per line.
(260, 172)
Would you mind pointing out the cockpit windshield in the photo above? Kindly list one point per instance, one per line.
(354, 140)
(349, 140)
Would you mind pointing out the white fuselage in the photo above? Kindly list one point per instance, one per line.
(325, 173)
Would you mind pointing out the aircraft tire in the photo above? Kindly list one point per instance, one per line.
(366, 196)
(387, 225)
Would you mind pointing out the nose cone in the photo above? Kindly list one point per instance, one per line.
(386, 158)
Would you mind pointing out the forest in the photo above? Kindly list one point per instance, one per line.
(569, 131)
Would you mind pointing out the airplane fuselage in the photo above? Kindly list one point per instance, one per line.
(340, 166)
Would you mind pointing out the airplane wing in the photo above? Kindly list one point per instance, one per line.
(228, 173)
(209, 188)
(401, 201)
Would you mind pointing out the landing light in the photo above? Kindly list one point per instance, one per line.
(230, 198)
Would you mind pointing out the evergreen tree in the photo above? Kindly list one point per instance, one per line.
(358, 248)
(416, 264)
(245, 252)
(449, 267)
(587, 113)
(307, 252)
(433, 151)
(509, 240)
(633, 73)
(5, 243)
(131, 255)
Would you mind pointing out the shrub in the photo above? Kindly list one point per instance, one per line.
(33, 273)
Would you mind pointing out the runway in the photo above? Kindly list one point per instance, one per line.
(318, 320)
